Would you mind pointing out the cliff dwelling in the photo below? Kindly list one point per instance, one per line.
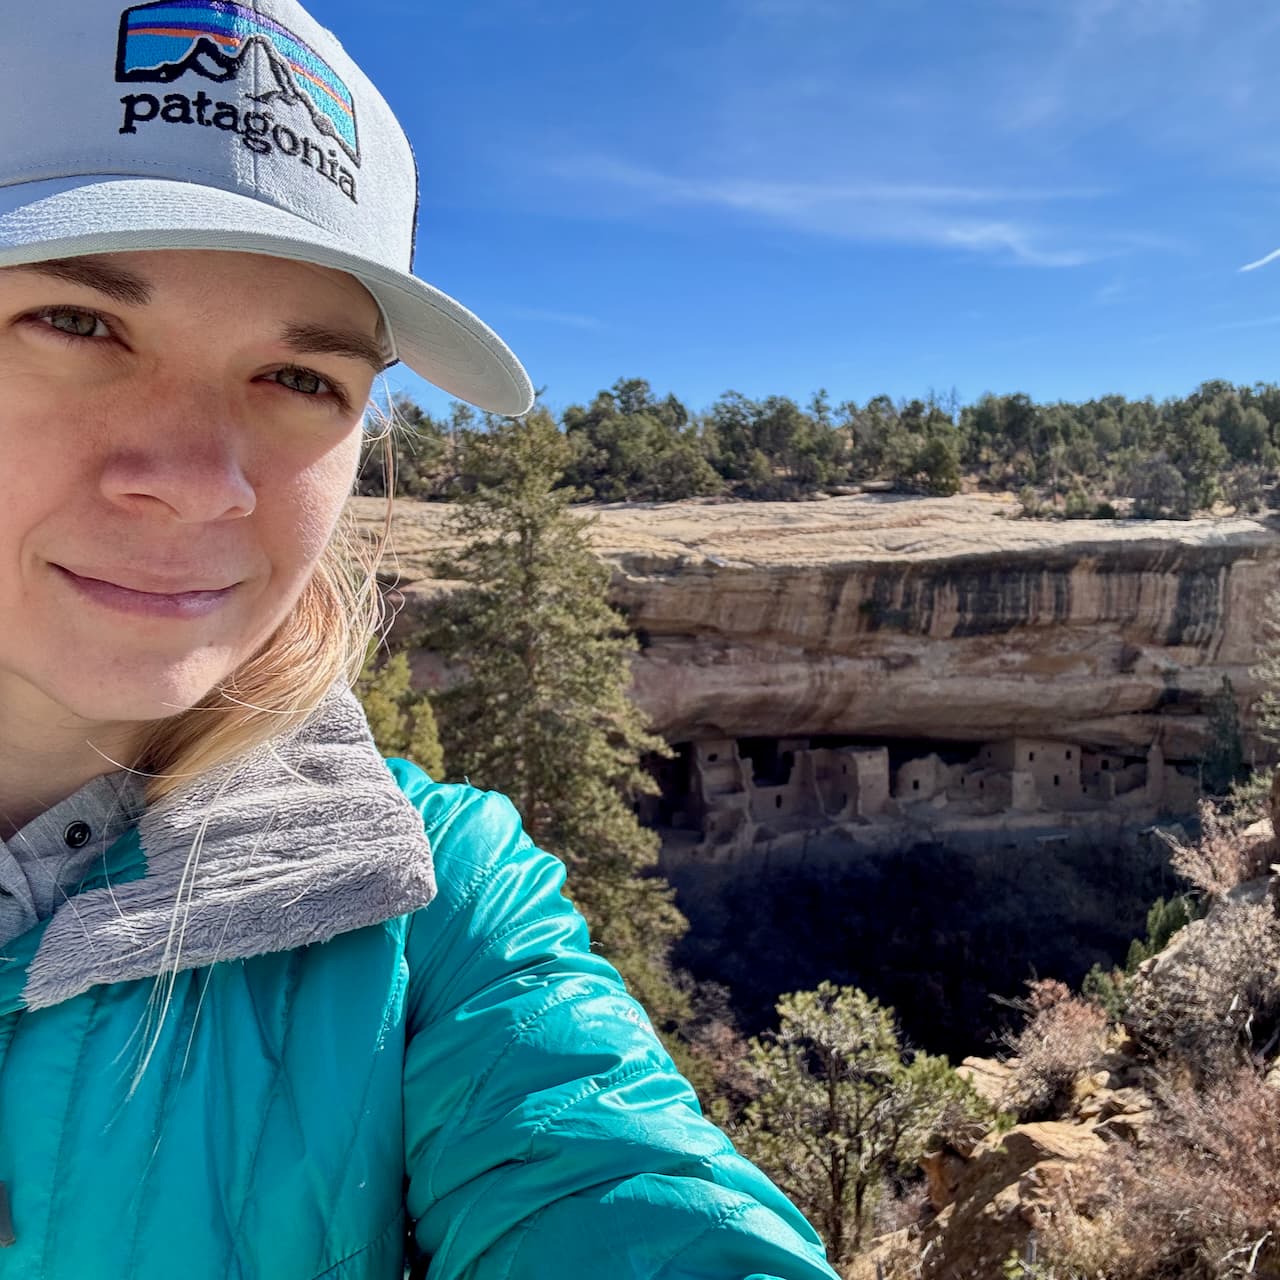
(723, 798)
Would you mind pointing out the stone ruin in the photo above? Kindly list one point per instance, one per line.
(741, 793)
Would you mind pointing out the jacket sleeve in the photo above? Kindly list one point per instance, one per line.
(547, 1132)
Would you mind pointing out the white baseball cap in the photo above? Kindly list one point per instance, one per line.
(226, 124)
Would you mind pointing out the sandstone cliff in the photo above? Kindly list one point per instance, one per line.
(884, 617)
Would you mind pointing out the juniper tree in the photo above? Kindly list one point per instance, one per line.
(539, 706)
(841, 1110)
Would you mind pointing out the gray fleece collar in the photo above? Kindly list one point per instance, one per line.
(298, 841)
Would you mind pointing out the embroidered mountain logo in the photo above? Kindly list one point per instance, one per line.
(218, 40)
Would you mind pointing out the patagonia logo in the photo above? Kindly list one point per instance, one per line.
(220, 40)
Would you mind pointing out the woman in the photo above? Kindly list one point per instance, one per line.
(269, 1007)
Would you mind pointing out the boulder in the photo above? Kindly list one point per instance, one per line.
(997, 1195)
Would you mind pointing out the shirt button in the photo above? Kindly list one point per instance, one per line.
(77, 835)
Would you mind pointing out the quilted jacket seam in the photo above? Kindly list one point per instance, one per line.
(73, 1096)
(268, 1102)
(467, 897)
(593, 1087)
(524, 1026)
(491, 944)
(356, 1130)
(364, 1248)
(723, 1220)
(483, 1080)
(165, 1102)
(472, 889)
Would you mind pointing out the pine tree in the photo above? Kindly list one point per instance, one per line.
(1267, 671)
(540, 709)
(1223, 764)
(400, 717)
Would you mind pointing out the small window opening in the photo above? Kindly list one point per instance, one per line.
(915, 784)
(777, 802)
(713, 757)
(1057, 781)
(1106, 766)
(1068, 753)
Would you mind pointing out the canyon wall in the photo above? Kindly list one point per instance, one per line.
(949, 620)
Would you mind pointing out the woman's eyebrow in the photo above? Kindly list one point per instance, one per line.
(135, 291)
(316, 340)
(118, 284)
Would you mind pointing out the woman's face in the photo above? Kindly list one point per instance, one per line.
(179, 431)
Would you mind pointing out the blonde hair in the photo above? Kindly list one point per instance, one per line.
(324, 640)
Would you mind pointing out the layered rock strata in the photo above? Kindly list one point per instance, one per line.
(875, 617)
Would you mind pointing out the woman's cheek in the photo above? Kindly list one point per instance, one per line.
(315, 502)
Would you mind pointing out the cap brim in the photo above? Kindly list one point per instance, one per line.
(434, 335)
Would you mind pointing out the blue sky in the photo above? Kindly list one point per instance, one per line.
(1062, 197)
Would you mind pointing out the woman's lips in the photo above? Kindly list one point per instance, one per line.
(149, 604)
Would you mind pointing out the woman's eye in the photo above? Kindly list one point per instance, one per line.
(303, 381)
(77, 324)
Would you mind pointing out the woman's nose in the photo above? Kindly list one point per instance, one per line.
(183, 458)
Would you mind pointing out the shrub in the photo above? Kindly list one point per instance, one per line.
(1079, 506)
(1243, 490)
(1199, 1199)
(400, 716)
(1208, 1000)
(1157, 489)
(1030, 502)
(1062, 1038)
(1225, 855)
(1164, 919)
(1109, 988)
(1249, 801)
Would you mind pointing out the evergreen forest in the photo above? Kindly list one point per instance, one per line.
(1142, 458)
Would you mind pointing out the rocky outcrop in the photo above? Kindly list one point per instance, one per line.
(997, 1193)
(879, 617)
(988, 1198)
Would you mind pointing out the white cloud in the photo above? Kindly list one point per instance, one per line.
(768, 196)
(963, 218)
(1262, 262)
(569, 319)
(1018, 242)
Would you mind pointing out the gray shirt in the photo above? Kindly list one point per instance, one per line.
(42, 864)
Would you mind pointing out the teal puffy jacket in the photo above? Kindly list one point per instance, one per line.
(351, 1055)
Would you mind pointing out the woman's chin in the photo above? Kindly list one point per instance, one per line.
(118, 698)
